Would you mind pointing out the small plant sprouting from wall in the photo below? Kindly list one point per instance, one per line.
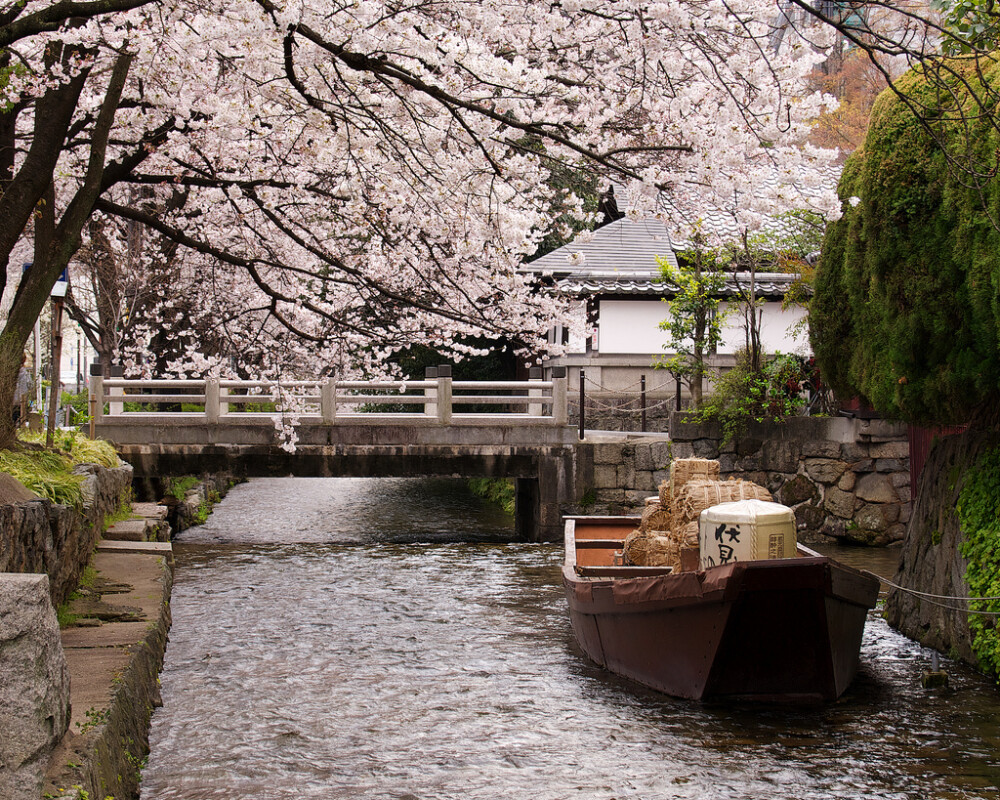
(178, 487)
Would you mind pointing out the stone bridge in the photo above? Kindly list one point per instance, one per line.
(508, 429)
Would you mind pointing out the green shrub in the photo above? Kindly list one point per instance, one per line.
(743, 395)
(178, 487)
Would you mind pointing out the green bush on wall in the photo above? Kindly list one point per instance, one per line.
(979, 515)
(906, 311)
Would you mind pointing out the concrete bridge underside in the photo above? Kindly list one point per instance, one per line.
(542, 462)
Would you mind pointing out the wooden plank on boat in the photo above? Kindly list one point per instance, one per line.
(622, 572)
(599, 544)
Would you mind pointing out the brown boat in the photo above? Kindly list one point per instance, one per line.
(784, 629)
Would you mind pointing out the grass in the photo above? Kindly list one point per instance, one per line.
(80, 448)
(49, 473)
(64, 616)
(123, 513)
(178, 487)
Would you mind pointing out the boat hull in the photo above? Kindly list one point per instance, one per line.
(780, 630)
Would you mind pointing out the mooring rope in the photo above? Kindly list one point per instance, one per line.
(933, 598)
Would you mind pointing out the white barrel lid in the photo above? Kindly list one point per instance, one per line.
(747, 511)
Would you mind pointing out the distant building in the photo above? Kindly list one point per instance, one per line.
(620, 303)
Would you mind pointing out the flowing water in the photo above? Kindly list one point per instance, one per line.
(357, 638)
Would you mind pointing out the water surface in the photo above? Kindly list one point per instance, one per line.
(355, 638)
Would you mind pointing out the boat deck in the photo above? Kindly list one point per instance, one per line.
(592, 544)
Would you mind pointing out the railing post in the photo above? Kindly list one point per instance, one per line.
(642, 403)
(678, 401)
(223, 404)
(583, 398)
(560, 391)
(444, 394)
(328, 400)
(430, 395)
(535, 409)
(212, 398)
(117, 408)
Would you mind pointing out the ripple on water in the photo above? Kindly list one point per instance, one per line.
(356, 638)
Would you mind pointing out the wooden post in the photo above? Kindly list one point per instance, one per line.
(535, 409)
(560, 392)
(642, 403)
(583, 399)
(444, 394)
(95, 399)
(328, 400)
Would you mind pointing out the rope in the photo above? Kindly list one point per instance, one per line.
(592, 403)
(603, 388)
(933, 598)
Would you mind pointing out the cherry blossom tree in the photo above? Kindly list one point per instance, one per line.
(349, 178)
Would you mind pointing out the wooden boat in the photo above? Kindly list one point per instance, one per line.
(785, 630)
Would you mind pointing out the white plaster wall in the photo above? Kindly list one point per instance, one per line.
(777, 330)
(632, 326)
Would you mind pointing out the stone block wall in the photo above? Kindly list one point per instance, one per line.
(846, 479)
(616, 475)
(34, 684)
(41, 537)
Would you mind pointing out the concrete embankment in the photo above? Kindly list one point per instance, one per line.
(83, 729)
(114, 653)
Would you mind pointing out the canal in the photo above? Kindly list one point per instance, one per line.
(356, 638)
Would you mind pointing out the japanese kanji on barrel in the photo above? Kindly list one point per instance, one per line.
(745, 530)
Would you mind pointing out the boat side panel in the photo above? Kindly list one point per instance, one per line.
(846, 623)
(775, 647)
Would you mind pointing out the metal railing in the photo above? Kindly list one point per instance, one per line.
(330, 401)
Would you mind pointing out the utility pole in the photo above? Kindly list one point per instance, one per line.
(58, 297)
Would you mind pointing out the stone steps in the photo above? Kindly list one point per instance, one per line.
(148, 524)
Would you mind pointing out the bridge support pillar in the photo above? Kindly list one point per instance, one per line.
(539, 501)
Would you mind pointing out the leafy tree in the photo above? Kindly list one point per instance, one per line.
(906, 312)
(696, 315)
(352, 178)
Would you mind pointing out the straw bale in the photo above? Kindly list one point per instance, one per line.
(655, 517)
(689, 536)
(651, 549)
(664, 494)
(697, 495)
(683, 470)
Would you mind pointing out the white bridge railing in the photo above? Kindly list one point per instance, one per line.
(330, 401)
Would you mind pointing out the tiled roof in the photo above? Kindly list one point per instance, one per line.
(769, 284)
(620, 249)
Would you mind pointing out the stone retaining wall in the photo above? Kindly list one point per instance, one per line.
(846, 479)
(932, 559)
(34, 684)
(616, 477)
(40, 536)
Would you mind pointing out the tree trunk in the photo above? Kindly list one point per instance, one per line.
(37, 282)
